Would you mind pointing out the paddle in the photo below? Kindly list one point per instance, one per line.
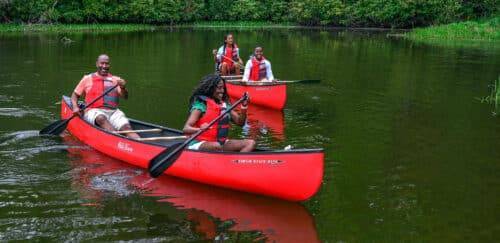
(309, 81)
(273, 82)
(166, 158)
(235, 62)
(58, 127)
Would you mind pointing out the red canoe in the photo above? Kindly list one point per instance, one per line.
(293, 175)
(267, 94)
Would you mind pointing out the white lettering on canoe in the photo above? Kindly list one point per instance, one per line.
(262, 88)
(258, 161)
(125, 147)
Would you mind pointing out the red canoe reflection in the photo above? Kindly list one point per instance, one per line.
(279, 221)
(263, 121)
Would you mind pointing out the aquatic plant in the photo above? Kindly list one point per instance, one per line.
(494, 97)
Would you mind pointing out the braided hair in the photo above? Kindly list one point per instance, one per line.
(207, 87)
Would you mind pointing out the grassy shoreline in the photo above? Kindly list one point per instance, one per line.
(135, 27)
(480, 30)
(240, 24)
(74, 27)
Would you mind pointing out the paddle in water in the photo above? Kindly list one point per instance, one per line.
(58, 127)
(298, 81)
(166, 158)
(303, 81)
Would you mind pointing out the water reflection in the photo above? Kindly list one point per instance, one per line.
(264, 122)
(216, 213)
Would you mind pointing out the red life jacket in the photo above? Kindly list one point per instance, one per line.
(258, 71)
(99, 86)
(230, 53)
(219, 131)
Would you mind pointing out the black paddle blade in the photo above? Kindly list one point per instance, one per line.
(164, 160)
(310, 81)
(55, 128)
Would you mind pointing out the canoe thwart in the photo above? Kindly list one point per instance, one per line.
(162, 138)
(143, 130)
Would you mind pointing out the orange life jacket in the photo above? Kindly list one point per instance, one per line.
(99, 86)
(230, 53)
(258, 71)
(219, 131)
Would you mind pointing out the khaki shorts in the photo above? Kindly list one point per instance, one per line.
(115, 117)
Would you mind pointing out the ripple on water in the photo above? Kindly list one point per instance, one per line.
(7, 98)
(24, 112)
(17, 153)
(18, 136)
(115, 182)
(11, 86)
(22, 154)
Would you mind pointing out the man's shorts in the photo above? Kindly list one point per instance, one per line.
(115, 117)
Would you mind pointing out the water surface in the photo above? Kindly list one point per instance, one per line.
(411, 154)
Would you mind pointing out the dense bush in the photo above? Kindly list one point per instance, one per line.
(373, 13)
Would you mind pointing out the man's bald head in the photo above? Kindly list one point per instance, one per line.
(102, 57)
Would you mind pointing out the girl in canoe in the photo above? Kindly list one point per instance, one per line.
(208, 101)
(228, 57)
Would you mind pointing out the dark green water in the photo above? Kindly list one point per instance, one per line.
(411, 154)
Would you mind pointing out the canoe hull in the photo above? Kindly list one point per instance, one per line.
(291, 175)
(267, 95)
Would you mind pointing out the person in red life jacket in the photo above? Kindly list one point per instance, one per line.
(207, 102)
(228, 57)
(258, 68)
(104, 112)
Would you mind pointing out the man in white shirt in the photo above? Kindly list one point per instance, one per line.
(258, 68)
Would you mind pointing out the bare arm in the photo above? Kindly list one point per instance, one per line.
(189, 127)
(240, 118)
(123, 90)
(74, 102)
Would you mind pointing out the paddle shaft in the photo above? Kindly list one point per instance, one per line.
(195, 135)
(273, 82)
(227, 58)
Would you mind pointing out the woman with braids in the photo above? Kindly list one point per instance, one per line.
(208, 101)
(228, 57)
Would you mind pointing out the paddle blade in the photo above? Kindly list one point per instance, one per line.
(165, 159)
(55, 128)
(302, 81)
(310, 81)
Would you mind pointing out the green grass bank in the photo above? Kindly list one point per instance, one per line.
(479, 30)
(240, 24)
(75, 27)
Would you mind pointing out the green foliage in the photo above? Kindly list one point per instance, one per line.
(317, 12)
(366, 13)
